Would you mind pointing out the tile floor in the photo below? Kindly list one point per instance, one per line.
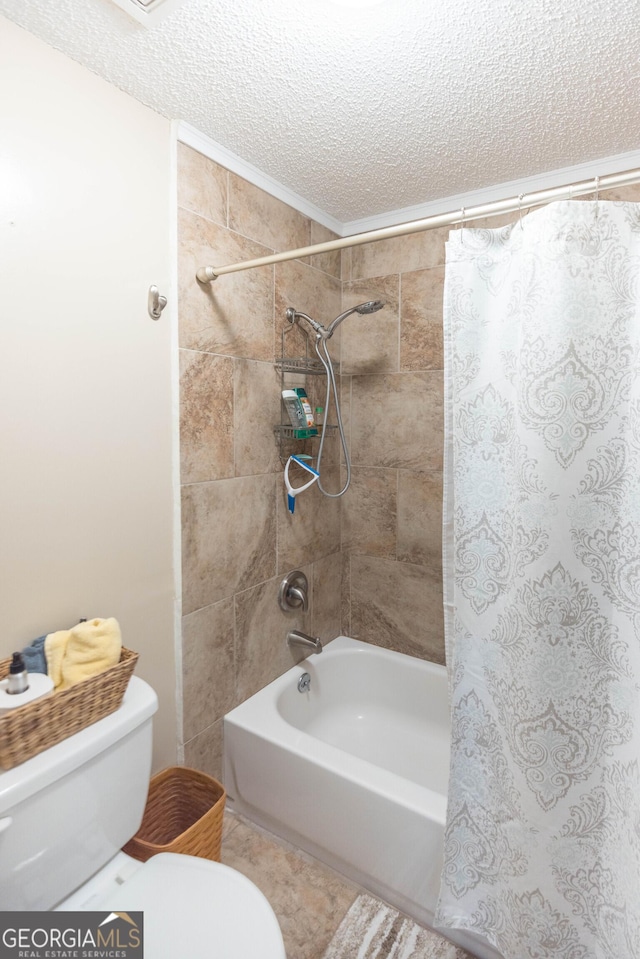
(309, 899)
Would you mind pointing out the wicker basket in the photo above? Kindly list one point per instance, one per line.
(184, 814)
(34, 727)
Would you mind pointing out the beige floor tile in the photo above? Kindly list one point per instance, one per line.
(309, 899)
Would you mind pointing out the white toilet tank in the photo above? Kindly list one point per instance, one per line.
(67, 812)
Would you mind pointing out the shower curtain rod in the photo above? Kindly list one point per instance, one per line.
(206, 274)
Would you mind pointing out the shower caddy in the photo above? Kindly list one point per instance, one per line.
(288, 437)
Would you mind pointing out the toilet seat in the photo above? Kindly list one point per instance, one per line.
(197, 908)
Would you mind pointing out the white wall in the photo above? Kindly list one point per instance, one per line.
(85, 374)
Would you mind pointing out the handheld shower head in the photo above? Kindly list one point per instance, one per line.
(371, 306)
(322, 349)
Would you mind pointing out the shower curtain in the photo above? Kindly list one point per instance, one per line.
(542, 583)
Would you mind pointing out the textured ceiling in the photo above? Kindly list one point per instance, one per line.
(363, 112)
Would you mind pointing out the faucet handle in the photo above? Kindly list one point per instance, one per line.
(300, 594)
(294, 592)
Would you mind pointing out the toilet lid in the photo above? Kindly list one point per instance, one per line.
(197, 908)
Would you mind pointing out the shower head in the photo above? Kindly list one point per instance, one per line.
(371, 306)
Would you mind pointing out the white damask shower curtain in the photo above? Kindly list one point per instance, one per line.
(542, 583)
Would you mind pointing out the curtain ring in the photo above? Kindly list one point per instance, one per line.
(597, 192)
(462, 224)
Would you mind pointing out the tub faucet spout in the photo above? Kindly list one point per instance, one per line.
(295, 638)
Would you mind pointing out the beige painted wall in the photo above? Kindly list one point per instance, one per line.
(85, 375)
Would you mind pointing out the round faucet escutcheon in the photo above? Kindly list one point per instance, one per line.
(294, 592)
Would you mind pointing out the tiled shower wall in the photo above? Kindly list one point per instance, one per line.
(238, 538)
(392, 383)
(373, 558)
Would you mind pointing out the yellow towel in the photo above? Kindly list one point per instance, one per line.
(54, 649)
(91, 648)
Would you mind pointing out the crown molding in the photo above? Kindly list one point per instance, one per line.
(619, 163)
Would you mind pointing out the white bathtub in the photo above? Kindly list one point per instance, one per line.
(354, 771)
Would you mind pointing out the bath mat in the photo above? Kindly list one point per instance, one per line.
(371, 930)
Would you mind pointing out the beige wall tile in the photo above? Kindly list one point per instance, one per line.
(417, 251)
(228, 538)
(345, 409)
(327, 262)
(398, 606)
(308, 290)
(262, 653)
(208, 667)
(256, 412)
(421, 336)
(494, 222)
(420, 519)
(206, 417)
(346, 593)
(234, 314)
(313, 530)
(630, 194)
(326, 611)
(370, 341)
(202, 185)
(369, 512)
(264, 218)
(345, 256)
(397, 420)
(204, 751)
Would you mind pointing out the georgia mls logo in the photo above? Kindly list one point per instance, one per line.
(71, 935)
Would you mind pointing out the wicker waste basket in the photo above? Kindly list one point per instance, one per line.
(183, 814)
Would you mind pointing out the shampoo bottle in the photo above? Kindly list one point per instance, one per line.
(294, 409)
(306, 406)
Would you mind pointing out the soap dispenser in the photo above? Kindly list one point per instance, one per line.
(18, 688)
(18, 679)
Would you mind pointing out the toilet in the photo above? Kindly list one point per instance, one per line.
(65, 815)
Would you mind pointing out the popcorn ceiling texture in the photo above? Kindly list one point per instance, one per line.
(363, 112)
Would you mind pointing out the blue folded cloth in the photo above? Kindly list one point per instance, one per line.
(34, 657)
